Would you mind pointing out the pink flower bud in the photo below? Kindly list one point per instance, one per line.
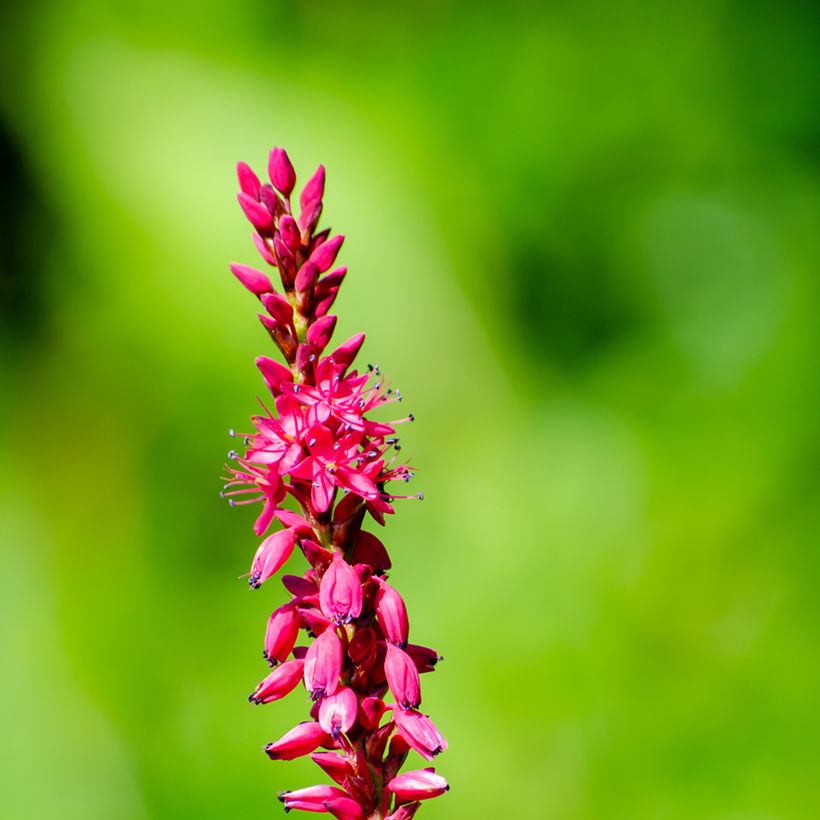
(270, 199)
(418, 785)
(314, 189)
(344, 808)
(306, 276)
(362, 645)
(370, 712)
(257, 214)
(312, 798)
(334, 765)
(314, 621)
(281, 634)
(280, 171)
(323, 665)
(423, 657)
(274, 373)
(278, 307)
(290, 232)
(248, 181)
(301, 740)
(369, 550)
(420, 732)
(271, 555)
(255, 281)
(402, 677)
(325, 255)
(299, 587)
(319, 332)
(340, 592)
(337, 713)
(294, 521)
(282, 681)
(309, 218)
(405, 812)
(392, 614)
(347, 351)
(264, 250)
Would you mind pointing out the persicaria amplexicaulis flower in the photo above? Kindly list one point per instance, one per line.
(318, 466)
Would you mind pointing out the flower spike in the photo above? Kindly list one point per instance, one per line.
(318, 464)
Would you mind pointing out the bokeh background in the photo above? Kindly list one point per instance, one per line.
(583, 240)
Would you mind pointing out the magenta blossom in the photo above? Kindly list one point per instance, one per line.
(319, 465)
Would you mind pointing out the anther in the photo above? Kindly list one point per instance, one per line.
(420, 496)
(411, 417)
(231, 432)
(232, 455)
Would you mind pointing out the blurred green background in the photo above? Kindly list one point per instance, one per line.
(583, 239)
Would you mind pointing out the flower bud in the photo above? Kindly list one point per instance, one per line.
(306, 276)
(392, 614)
(344, 808)
(255, 281)
(340, 592)
(281, 633)
(402, 677)
(323, 665)
(325, 255)
(370, 712)
(347, 351)
(418, 785)
(320, 331)
(311, 798)
(248, 181)
(279, 308)
(301, 740)
(309, 218)
(423, 657)
(274, 373)
(362, 646)
(420, 732)
(264, 250)
(314, 189)
(369, 550)
(334, 765)
(290, 232)
(282, 681)
(405, 812)
(314, 621)
(257, 214)
(271, 555)
(337, 713)
(280, 171)
(300, 587)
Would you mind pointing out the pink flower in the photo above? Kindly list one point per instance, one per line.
(318, 463)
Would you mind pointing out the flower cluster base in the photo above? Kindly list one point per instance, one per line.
(316, 446)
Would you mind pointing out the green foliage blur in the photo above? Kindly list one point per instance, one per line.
(583, 240)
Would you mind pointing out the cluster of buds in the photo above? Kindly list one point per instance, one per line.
(320, 449)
